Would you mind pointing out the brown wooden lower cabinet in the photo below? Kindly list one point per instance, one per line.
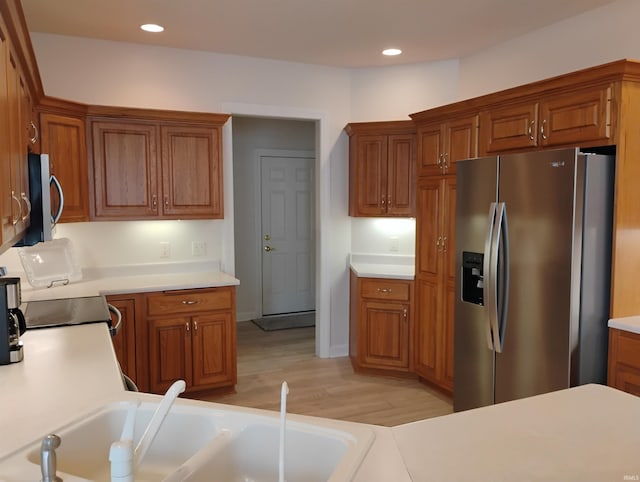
(124, 342)
(381, 324)
(179, 334)
(624, 361)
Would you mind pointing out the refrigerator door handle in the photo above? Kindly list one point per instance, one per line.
(503, 287)
(487, 292)
(494, 281)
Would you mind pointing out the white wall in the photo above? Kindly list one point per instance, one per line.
(251, 134)
(383, 235)
(392, 93)
(595, 37)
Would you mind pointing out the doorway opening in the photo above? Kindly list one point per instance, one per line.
(274, 221)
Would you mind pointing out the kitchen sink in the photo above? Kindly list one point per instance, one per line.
(201, 442)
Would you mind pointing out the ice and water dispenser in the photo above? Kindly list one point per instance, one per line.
(472, 277)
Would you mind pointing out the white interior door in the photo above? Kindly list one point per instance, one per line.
(288, 252)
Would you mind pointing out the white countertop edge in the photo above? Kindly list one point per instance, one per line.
(628, 323)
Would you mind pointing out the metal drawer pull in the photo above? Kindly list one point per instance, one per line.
(384, 290)
(195, 325)
(404, 314)
(187, 326)
(190, 302)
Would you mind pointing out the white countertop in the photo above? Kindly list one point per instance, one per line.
(393, 266)
(584, 433)
(133, 279)
(628, 323)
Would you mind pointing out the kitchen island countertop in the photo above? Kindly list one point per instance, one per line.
(583, 433)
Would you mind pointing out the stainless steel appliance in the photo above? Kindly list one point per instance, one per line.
(68, 311)
(12, 323)
(533, 260)
(41, 219)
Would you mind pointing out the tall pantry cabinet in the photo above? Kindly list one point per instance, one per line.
(441, 141)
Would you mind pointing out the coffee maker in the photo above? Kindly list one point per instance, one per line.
(12, 322)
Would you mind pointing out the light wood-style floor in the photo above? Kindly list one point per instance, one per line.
(322, 387)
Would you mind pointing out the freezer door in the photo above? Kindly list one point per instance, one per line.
(538, 191)
(476, 191)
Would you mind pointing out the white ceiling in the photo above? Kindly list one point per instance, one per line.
(342, 33)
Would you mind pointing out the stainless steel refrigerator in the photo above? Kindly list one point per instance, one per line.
(533, 261)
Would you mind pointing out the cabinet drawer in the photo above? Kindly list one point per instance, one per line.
(385, 289)
(628, 349)
(189, 301)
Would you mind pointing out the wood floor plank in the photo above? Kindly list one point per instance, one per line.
(322, 387)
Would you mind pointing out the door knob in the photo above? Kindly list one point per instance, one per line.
(268, 248)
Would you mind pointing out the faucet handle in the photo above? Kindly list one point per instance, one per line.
(48, 461)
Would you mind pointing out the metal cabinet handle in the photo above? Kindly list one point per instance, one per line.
(190, 302)
(166, 201)
(383, 200)
(542, 132)
(384, 290)
(404, 314)
(187, 326)
(16, 219)
(28, 204)
(530, 130)
(195, 326)
(444, 244)
(439, 242)
(389, 200)
(154, 201)
(36, 134)
(445, 161)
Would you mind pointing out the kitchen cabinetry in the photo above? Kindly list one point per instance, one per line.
(381, 168)
(583, 115)
(624, 361)
(190, 335)
(381, 324)
(441, 144)
(124, 343)
(161, 167)
(435, 280)
(63, 137)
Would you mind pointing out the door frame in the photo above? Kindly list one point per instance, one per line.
(323, 149)
(258, 155)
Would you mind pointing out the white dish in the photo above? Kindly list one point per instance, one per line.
(51, 263)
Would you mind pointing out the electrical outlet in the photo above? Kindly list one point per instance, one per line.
(165, 249)
(393, 244)
(198, 248)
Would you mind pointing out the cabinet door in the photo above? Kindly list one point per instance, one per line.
(401, 175)
(125, 170)
(191, 172)
(124, 343)
(509, 128)
(430, 144)
(369, 175)
(447, 338)
(461, 141)
(449, 228)
(579, 116)
(18, 148)
(428, 307)
(213, 354)
(63, 138)
(429, 235)
(170, 357)
(7, 230)
(384, 335)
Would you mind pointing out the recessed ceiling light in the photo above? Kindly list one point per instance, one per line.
(391, 52)
(152, 27)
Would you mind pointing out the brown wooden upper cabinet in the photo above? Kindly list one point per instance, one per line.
(576, 117)
(382, 168)
(442, 143)
(63, 137)
(150, 169)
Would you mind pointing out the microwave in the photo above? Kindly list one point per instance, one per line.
(41, 219)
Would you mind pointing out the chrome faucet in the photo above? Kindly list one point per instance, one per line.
(48, 459)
